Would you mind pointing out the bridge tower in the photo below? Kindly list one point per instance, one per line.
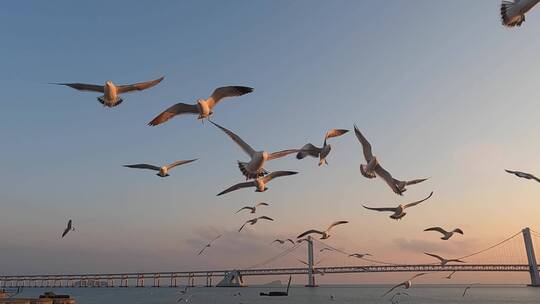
(531, 257)
(311, 277)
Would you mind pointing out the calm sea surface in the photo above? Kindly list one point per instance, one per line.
(341, 294)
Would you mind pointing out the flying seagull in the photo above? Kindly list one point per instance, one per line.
(111, 91)
(254, 168)
(208, 245)
(283, 241)
(203, 107)
(449, 277)
(252, 209)
(162, 171)
(324, 234)
(259, 183)
(407, 284)
(523, 175)
(359, 255)
(443, 260)
(314, 151)
(68, 228)
(446, 234)
(399, 211)
(182, 295)
(513, 12)
(254, 221)
(326, 248)
(373, 169)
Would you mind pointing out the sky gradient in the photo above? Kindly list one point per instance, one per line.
(440, 88)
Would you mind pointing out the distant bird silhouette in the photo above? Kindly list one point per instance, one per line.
(359, 255)
(252, 209)
(465, 291)
(443, 260)
(254, 221)
(407, 284)
(399, 211)
(449, 277)
(523, 175)
(162, 171)
(326, 248)
(513, 12)
(314, 151)
(446, 234)
(259, 183)
(283, 241)
(324, 234)
(203, 107)
(68, 228)
(111, 91)
(208, 245)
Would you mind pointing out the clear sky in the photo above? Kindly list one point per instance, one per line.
(440, 88)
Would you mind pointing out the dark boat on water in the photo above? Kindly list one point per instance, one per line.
(278, 293)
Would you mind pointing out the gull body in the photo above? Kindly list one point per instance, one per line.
(162, 171)
(513, 12)
(324, 234)
(69, 228)
(254, 221)
(443, 260)
(203, 107)
(111, 92)
(314, 151)
(259, 183)
(252, 209)
(399, 211)
(407, 284)
(523, 175)
(446, 234)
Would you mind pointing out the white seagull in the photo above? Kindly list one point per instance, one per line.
(252, 209)
(255, 167)
(359, 255)
(407, 284)
(208, 245)
(523, 175)
(399, 211)
(111, 91)
(69, 228)
(446, 234)
(203, 107)
(443, 260)
(254, 221)
(513, 12)
(373, 169)
(259, 183)
(283, 241)
(314, 151)
(162, 171)
(324, 234)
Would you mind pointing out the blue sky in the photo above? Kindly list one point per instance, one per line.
(440, 88)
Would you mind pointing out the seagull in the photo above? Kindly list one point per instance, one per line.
(306, 263)
(301, 240)
(68, 228)
(407, 284)
(111, 91)
(443, 260)
(513, 12)
(449, 277)
(373, 169)
(313, 151)
(252, 208)
(283, 241)
(203, 107)
(446, 234)
(397, 294)
(359, 255)
(162, 171)
(259, 183)
(254, 221)
(465, 291)
(326, 248)
(399, 211)
(182, 294)
(254, 168)
(523, 175)
(208, 245)
(324, 234)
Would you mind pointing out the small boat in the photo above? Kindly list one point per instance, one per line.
(277, 293)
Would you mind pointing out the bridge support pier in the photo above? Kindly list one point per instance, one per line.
(173, 281)
(531, 257)
(311, 277)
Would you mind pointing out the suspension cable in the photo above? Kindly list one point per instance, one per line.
(278, 256)
(347, 254)
(490, 247)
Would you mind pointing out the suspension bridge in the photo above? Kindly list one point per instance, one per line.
(519, 245)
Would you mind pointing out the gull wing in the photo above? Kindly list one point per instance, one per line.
(275, 174)
(387, 177)
(458, 230)
(245, 208)
(435, 256)
(308, 149)
(68, 228)
(236, 187)
(247, 148)
(217, 237)
(84, 87)
(289, 240)
(177, 109)
(143, 166)
(139, 86)
(279, 241)
(180, 162)
(366, 146)
(335, 224)
(224, 92)
(390, 209)
(415, 181)
(282, 153)
(417, 275)
(335, 133)
(303, 262)
(418, 202)
(309, 232)
(202, 250)
(392, 289)
(243, 226)
(438, 229)
(264, 217)
(261, 204)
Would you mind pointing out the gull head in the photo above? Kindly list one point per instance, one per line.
(163, 172)
(109, 84)
(259, 184)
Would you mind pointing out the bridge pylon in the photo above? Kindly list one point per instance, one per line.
(311, 277)
(531, 258)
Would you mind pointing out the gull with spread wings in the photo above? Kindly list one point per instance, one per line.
(359, 255)
(407, 284)
(259, 183)
(111, 92)
(255, 220)
(373, 169)
(324, 234)
(314, 151)
(162, 171)
(399, 211)
(443, 260)
(255, 167)
(523, 175)
(252, 209)
(69, 228)
(283, 241)
(513, 12)
(446, 234)
(203, 107)
(208, 245)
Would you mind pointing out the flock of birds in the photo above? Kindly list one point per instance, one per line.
(257, 177)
